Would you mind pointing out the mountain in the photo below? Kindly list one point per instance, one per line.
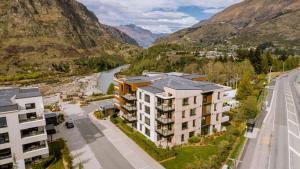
(249, 22)
(36, 33)
(144, 37)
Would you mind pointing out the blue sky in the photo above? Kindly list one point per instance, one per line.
(159, 16)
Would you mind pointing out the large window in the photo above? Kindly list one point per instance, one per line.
(185, 101)
(215, 107)
(194, 123)
(147, 98)
(147, 109)
(195, 99)
(219, 95)
(147, 121)
(182, 137)
(183, 114)
(4, 138)
(184, 125)
(147, 131)
(30, 106)
(140, 95)
(193, 112)
(141, 106)
(3, 122)
(5, 153)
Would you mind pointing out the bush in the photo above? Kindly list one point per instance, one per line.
(99, 114)
(61, 118)
(194, 139)
(67, 157)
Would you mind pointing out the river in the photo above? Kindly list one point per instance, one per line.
(106, 78)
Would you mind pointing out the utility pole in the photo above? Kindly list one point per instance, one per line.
(270, 74)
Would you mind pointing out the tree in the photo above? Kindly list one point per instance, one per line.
(245, 88)
(265, 64)
(110, 89)
(249, 107)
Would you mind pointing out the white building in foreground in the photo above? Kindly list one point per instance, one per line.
(22, 127)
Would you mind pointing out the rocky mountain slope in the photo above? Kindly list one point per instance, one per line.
(36, 33)
(144, 37)
(249, 22)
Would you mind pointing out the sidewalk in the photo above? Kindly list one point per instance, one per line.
(136, 156)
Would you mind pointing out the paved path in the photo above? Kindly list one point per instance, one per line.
(88, 144)
(132, 152)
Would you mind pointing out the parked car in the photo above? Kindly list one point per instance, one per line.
(69, 124)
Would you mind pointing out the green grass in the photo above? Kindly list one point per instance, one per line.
(237, 149)
(187, 155)
(57, 165)
(157, 153)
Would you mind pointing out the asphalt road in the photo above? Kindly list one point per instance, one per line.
(108, 156)
(278, 143)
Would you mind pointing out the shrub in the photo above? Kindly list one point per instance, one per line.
(99, 114)
(194, 139)
(42, 164)
(61, 118)
(67, 157)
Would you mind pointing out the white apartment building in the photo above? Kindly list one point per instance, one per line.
(22, 127)
(173, 108)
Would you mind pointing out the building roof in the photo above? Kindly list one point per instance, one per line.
(152, 89)
(193, 76)
(8, 95)
(180, 83)
(137, 79)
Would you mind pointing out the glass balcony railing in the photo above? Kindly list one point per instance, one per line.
(33, 147)
(33, 118)
(33, 133)
(164, 132)
(130, 117)
(164, 120)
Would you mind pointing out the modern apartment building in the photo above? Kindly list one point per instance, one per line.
(23, 137)
(173, 107)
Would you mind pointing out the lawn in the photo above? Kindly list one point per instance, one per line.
(57, 165)
(189, 154)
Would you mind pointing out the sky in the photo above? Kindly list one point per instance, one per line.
(158, 16)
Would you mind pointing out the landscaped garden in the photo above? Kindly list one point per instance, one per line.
(59, 157)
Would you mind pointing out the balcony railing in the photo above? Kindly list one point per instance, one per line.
(165, 107)
(129, 108)
(164, 120)
(129, 97)
(164, 96)
(164, 132)
(4, 140)
(129, 117)
(34, 147)
(2, 157)
(34, 133)
(31, 119)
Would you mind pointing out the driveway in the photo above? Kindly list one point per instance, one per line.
(87, 143)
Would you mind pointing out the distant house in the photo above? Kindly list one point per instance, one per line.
(107, 108)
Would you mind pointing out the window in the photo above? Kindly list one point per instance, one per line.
(193, 112)
(3, 122)
(147, 131)
(147, 121)
(215, 107)
(194, 123)
(185, 101)
(195, 99)
(141, 127)
(219, 95)
(191, 134)
(30, 106)
(141, 117)
(4, 138)
(141, 107)
(147, 109)
(147, 98)
(217, 118)
(183, 114)
(182, 137)
(140, 95)
(5, 153)
(184, 125)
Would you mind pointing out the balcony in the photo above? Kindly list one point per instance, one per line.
(129, 97)
(164, 120)
(31, 132)
(129, 108)
(5, 153)
(164, 96)
(225, 119)
(32, 118)
(164, 132)
(34, 146)
(165, 107)
(130, 117)
(4, 138)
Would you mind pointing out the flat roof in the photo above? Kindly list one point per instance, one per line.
(8, 95)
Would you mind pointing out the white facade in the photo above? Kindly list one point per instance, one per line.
(25, 126)
(181, 114)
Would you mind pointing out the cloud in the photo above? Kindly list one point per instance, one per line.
(159, 16)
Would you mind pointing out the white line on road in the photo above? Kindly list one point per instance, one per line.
(294, 151)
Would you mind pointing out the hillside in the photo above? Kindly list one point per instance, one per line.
(36, 34)
(250, 22)
(144, 37)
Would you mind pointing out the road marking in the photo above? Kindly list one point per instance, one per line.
(293, 122)
(297, 137)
